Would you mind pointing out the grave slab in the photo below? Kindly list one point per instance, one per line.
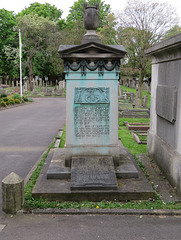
(93, 173)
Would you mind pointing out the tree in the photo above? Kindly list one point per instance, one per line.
(45, 10)
(36, 32)
(141, 25)
(108, 31)
(8, 39)
(77, 11)
(172, 32)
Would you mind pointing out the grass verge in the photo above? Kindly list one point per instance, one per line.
(32, 180)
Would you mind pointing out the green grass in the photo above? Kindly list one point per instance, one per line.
(63, 138)
(155, 204)
(141, 137)
(127, 139)
(127, 89)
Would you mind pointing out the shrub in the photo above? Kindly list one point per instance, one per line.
(11, 101)
(3, 95)
(30, 100)
(17, 96)
(3, 104)
(25, 98)
(17, 101)
(5, 99)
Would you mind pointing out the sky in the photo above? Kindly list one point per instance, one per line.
(64, 5)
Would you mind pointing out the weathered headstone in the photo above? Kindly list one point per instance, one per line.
(132, 97)
(49, 92)
(145, 101)
(60, 85)
(58, 92)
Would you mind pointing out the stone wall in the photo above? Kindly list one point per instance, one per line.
(164, 139)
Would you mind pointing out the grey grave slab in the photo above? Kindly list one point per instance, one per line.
(93, 173)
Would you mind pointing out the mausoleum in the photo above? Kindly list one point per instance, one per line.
(164, 138)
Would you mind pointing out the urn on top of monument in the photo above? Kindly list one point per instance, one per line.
(91, 23)
(91, 16)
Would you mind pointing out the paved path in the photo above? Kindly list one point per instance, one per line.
(26, 131)
(91, 227)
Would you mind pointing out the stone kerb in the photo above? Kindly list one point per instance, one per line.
(12, 193)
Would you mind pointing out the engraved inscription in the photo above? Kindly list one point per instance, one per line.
(91, 120)
(91, 95)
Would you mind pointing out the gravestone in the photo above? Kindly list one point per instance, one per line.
(145, 101)
(132, 97)
(60, 85)
(49, 92)
(58, 92)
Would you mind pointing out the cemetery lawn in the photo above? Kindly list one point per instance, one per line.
(133, 147)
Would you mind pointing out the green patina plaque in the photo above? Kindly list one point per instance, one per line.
(92, 120)
(92, 95)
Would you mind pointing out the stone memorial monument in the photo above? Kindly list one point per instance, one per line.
(92, 72)
(93, 159)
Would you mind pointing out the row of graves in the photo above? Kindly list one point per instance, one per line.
(40, 88)
(130, 105)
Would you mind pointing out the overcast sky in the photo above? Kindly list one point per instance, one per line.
(18, 5)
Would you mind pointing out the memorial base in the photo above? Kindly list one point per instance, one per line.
(55, 183)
